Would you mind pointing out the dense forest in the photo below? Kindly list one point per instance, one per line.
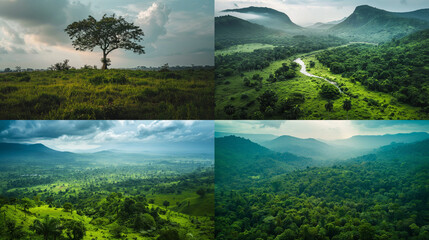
(86, 197)
(382, 195)
(398, 67)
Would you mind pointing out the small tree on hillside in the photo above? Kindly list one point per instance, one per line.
(110, 33)
(201, 192)
(347, 105)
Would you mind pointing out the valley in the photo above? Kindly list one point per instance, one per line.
(256, 85)
(109, 194)
(363, 187)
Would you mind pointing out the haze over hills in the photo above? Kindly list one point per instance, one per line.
(268, 17)
(323, 149)
(239, 157)
(233, 27)
(367, 23)
(14, 153)
(376, 141)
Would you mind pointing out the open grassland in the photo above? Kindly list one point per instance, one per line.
(110, 94)
(231, 91)
(250, 47)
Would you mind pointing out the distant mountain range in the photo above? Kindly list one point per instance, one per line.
(376, 141)
(233, 27)
(336, 149)
(267, 17)
(38, 154)
(238, 157)
(366, 23)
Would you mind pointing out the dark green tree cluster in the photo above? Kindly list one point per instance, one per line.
(377, 197)
(398, 67)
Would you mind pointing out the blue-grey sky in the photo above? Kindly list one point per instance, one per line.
(178, 32)
(307, 12)
(323, 129)
(127, 136)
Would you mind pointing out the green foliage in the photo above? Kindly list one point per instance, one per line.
(110, 33)
(74, 230)
(267, 99)
(397, 67)
(329, 91)
(376, 196)
(113, 94)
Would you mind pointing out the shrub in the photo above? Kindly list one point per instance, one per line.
(97, 80)
(25, 78)
(329, 91)
(119, 79)
(8, 89)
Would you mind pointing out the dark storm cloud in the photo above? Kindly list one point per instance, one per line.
(46, 19)
(30, 130)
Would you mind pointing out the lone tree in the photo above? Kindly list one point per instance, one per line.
(347, 105)
(110, 33)
(329, 106)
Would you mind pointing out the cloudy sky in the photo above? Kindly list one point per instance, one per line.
(307, 12)
(125, 136)
(178, 32)
(327, 130)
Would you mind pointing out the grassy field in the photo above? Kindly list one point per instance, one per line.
(231, 91)
(250, 47)
(110, 94)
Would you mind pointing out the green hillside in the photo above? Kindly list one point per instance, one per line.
(369, 24)
(378, 196)
(399, 67)
(269, 18)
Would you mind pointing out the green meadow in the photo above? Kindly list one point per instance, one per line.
(108, 94)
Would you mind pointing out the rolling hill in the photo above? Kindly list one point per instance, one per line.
(371, 24)
(302, 147)
(239, 158)
(35, 154)
(267, 17)
(376, 141)
(233, 27)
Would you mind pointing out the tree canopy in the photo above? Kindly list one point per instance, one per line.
(110, 33)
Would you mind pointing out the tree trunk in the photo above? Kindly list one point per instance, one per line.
(104, 60)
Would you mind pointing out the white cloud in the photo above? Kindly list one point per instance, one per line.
(153, 21)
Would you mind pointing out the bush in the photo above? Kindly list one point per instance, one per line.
(119, 79)
(97, 80)
(329, 91)
(8, 89)
(25, 78)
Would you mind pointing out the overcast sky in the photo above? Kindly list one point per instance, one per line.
(324, 129)
(125, 136)
(307, 12)
(178, 32)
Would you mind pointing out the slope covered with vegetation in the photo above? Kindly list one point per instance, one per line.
(378, 196)
(399, 68)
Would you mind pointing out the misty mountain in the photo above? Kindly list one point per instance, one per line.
(376, 141)
(36, 154)
(267, 17)
(237, 157)
(327, 25)
(371, 24)
(233, 27)
(303, 147)
(257, 138)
